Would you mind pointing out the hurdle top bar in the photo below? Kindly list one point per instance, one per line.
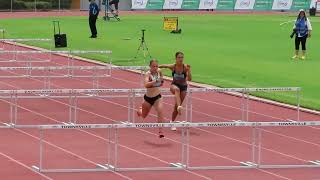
(59, 52)
(74, 68)
(22, 40)
(168, 125)
(73, 91)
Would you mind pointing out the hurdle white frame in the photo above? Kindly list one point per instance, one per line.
(72, 98)
(70, 67)
(99, 167)
(46, 69)
(14, 43)
(69, 54)
(246, 97)
(3, 32)
(132, 94)
(70, 73)
(185, 142)
(257, 146)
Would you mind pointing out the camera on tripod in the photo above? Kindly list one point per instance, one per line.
(142, 37)
(143, 46)
(293, 33)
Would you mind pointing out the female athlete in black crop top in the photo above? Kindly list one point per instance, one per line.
(181, 73)
(152, 81)
(180, 78)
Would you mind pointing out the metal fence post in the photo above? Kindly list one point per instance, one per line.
(298, 105)
(41, 149)
(11, 6)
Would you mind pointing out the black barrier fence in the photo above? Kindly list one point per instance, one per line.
(34, 5)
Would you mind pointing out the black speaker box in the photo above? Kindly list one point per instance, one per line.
(60, 40)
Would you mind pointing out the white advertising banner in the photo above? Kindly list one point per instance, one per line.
(244, 4)
(281, 4)
(208, 4)
(172, 4)
(315, 4)
(139, 4)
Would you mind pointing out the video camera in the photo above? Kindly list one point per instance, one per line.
(293, 33)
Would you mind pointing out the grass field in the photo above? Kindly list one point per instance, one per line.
(224, 50)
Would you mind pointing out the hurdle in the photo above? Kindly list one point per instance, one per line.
(244, 93)
(2, 31)
(15, 44)
(112, 155)
(70, 55)
(72, 95)
(130, 94)
(49, 72)
(22, 40)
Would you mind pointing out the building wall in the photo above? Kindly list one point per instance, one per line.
(75, 4)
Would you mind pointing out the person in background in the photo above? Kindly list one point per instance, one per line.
(93, 15)
(116, 6)
(302, 29)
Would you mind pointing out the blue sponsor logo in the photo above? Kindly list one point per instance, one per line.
(245, 3)
(208, 3)
(283, 3)
(139, 2)
(173, 3)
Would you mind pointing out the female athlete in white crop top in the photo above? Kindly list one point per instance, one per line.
(153, 80)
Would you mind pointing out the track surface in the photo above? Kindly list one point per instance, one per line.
(19, 148)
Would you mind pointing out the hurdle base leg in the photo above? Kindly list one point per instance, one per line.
(248, 163)
(315, 162)
(178, 165)
(35, 168)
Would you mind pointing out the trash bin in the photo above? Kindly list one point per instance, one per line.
(312, 11)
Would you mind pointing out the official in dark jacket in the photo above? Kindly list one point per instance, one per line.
(93, 15)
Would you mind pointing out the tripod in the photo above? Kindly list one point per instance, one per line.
(143, 46)
(108, 11)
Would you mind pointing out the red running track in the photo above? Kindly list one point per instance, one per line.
(19, 148)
